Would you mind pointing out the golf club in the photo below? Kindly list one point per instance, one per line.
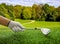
(45, 31)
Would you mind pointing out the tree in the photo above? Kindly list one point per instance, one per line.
(58, 16)
(49, 12)
(34, 14)
(11, 12)
(17, 11)
(40, 13)
(7, 11)
(55, 15)
(27, 13)
(4, 11)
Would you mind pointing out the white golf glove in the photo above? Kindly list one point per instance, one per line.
(15, 26)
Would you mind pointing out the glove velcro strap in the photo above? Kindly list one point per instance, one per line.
(8, 23)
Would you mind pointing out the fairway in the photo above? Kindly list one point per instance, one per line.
(41, 24)
(7, 36)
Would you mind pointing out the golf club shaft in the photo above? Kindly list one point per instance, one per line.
(33, 28)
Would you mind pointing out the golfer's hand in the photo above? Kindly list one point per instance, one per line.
(15, 26)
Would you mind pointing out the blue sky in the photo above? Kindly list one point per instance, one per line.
(55, 3)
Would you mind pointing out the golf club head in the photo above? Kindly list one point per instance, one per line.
(45, 31)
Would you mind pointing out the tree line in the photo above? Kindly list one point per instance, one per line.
(36, 12)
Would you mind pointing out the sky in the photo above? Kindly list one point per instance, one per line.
(55, 3)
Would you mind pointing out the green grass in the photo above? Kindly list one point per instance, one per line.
(40, 24)
(7, 36)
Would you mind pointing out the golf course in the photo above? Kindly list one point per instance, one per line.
(29, 21)
(33, 36)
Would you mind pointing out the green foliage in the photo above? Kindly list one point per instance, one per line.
(36, 12)
(27, 13)
(11, 12)
(6, 11)
(58, 10)
(17, 11)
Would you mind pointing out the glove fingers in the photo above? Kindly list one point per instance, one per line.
(16, 26)
(20, 25)
(20, 29)
(15, 29)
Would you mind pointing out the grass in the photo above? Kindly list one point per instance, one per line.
(40, 24)
(7, 36)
